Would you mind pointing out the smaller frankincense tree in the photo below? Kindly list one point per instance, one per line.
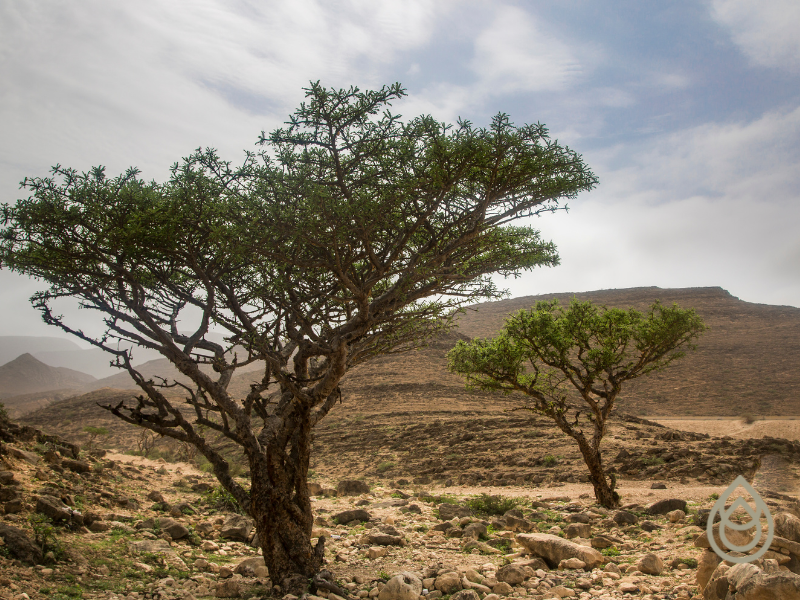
(94, 432)
(571, 364)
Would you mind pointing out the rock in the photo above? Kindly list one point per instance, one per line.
(705, 567)
(604, 541)
(465, 595)
(474, 530)
(236, 527)
(314, 489)
(54, 508)
(448, 583)
(155, 496)
(650, 526)
(378, 538)
(8, 494)
(23, 454)
(574, 530)
(204, 528)
(248, 566)
(571, 563)
(228, 589)
(7, 478)
(554, 549)
(735, 537)
(403, 586)
(377, 552)
(517, 524)
(787, 526)
(662, 507)
(352, 515)
(352, 487)
(511, 574)
(484, 548)
(76, 466)
(658, 485)
(20, 545)
(628, 587)
(562, 592)
(650, 564)
(502, 588)
(623, 517)
(739, 574)
(676, 516)
(717, 587)
(782, 585)
(225, 572)
(175, 530)
(447, 512)
(578, 518)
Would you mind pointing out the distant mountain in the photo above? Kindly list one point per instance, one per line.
(27, 375)
(11, 346)
(95, 362)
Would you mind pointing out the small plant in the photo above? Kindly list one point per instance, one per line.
(652, 460)
(384, 575)
(714, 496)
(689, 562)
(3, 413)
(610, 551)
(492, 505)
(550, 460)
(45, 535)
(385, 466)
(221, 499)
(748, 419)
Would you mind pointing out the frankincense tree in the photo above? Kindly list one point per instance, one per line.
(351, 234)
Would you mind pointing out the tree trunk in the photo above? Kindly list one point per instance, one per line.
(281, 508)
(603, 490)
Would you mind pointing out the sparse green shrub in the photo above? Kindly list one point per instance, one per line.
(385, 466)
(748, 419)
(44, 535)
(610, 551)
(443, 499)
(94, 432)
(3, 414)
(689, 562)
(714, 496)
(652, 460)
(492, 505)
(219, 498)
(550, 460)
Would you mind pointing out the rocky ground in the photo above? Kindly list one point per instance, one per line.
(84, 524)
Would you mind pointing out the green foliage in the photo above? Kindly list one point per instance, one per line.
(651, 460)
(689, 562)
(384, 575)
(3, 414)
(68, 591)
(221, 499)
(610, 551)
(385, 466)
(504, 545)
(550, 460)
(440, 499)
(486, 504)
(45, 535)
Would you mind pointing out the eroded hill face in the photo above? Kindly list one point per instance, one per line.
(26, 375)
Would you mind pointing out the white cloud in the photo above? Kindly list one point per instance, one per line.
(767, 32)
(711, 205)
(517, 53)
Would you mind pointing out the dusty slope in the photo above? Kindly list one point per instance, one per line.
(26, 375)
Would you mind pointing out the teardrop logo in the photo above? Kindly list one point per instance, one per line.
(761, 510)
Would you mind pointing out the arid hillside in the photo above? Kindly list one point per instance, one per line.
(27, 375)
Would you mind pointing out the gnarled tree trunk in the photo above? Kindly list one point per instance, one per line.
(604, 491)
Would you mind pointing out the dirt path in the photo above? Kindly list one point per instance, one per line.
(788, 429)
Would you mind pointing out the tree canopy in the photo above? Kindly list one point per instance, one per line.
(571, 363)
(350, 234)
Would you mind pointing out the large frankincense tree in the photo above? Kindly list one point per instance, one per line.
(351, 234)
(570, 365)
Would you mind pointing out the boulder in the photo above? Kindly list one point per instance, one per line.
(228, 589)
(650, 564)
(676, 516)
(465, 595)
(572, 563)
(175, 530)
(787, 526)
(474, 530)
(735, 537)
(352, 487)
(662, 507)
(403, 586)
(20, 545)
(54, 508)
(352, 515)
(448, 512)
(554, 549)
(574, 530)
(511, 574)
(623, 517)
(314, 489)
(517, 524)
(237, 528)
(782, 585)
(604, 541)
(484, 548)
(378, 538)
(705, 567)
(155, 496)
(448, 583)
(76, 466)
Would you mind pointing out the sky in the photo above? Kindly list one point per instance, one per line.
(687, 111)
